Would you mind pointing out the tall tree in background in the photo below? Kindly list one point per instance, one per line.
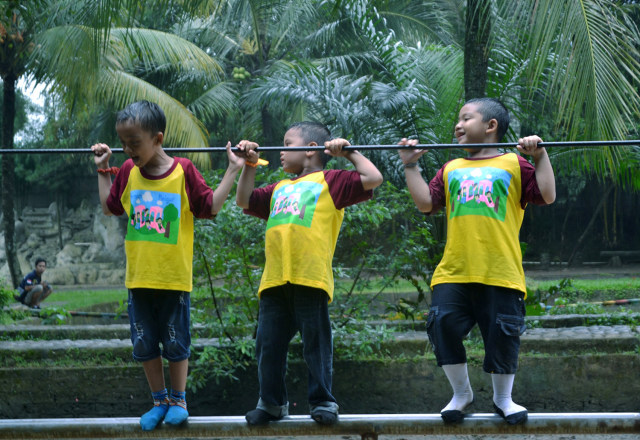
(476, 48)
(16, 42)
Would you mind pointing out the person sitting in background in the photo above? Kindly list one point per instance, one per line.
(32, 290)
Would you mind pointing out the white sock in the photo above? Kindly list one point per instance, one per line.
(502, 386)
(459, 380)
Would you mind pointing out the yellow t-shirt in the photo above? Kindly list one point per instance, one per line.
(304, 216)
(160, 210)
(485, 208)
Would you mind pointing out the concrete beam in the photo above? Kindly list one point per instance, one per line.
(368, 426)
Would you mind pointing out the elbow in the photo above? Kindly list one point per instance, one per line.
(424, 207)
(242, 203)
(372, 181)
(550, 197)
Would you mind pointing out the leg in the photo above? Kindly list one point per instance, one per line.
(153, 370)
(275, 330)
(462, 393)
(145, 341)
(154, 373)
(32, 299)
(312, 318)
(178, 413)
(507, 408)
(501, 325)
(450, 320)
(47, 290)
(176, 341)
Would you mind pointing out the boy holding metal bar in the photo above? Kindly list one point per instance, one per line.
(303, 216)
(161, 196)
(480, 279)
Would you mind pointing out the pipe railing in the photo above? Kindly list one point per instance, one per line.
(571, 144)
(368, 426)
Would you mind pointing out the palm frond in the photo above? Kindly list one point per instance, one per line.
(218, 101)
(152, 48)
(183, 128)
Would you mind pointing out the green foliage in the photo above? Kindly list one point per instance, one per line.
(7, 314)
(536, 301)
(564, 308)
(54, 316)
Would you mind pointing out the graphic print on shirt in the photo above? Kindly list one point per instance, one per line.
(479, 191)
(154, 216)
(294, 204)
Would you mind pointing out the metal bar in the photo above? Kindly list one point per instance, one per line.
(365, 425)
(352, 147)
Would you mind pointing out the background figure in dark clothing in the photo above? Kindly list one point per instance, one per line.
(32, 290)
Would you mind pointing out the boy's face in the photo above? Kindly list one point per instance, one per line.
(140, 145)
(41, 267)
(471, 129)
(293, 161)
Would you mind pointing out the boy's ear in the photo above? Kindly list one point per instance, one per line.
(312, 152)
(492, 126)
(159, 137)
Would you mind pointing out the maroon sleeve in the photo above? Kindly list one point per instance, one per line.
(199, 193)
(117, 188)
(436, 188)
(530, 189)
(260, 202)
(346, 188)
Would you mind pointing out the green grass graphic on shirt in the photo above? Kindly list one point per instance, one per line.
(479, 191)
(154, 216)
(294, 204)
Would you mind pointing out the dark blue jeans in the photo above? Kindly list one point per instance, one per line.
(284, 311)
(499, 313)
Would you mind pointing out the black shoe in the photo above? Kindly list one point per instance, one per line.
(454, 415)
(515, 418)
(324, 417)
(258, 417)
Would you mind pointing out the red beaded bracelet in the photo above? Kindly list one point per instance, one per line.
(112, 170)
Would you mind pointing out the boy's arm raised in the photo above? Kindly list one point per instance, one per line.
(418, 187)
(247, 180)
(369, 175)
(544, 171)
(102, 153)
(224, 188)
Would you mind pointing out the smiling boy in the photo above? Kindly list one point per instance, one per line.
(480, 279)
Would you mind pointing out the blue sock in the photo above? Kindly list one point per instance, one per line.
(177, 408)
(152, 418)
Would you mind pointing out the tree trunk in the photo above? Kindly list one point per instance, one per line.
(8, 177)
(476, 50)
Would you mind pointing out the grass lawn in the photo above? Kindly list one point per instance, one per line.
(82, 299)
(584, 290)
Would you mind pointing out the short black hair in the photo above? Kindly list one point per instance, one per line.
(491, 108)
(147, 114)
(40, 260)
(317, 132)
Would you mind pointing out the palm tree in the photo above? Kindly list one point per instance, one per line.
(99, 58)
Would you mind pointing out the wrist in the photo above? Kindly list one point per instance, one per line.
(411, 165)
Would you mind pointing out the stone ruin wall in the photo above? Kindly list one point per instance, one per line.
(82, 246)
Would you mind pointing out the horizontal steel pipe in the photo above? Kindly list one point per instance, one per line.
(368, 426)
(352, 147)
